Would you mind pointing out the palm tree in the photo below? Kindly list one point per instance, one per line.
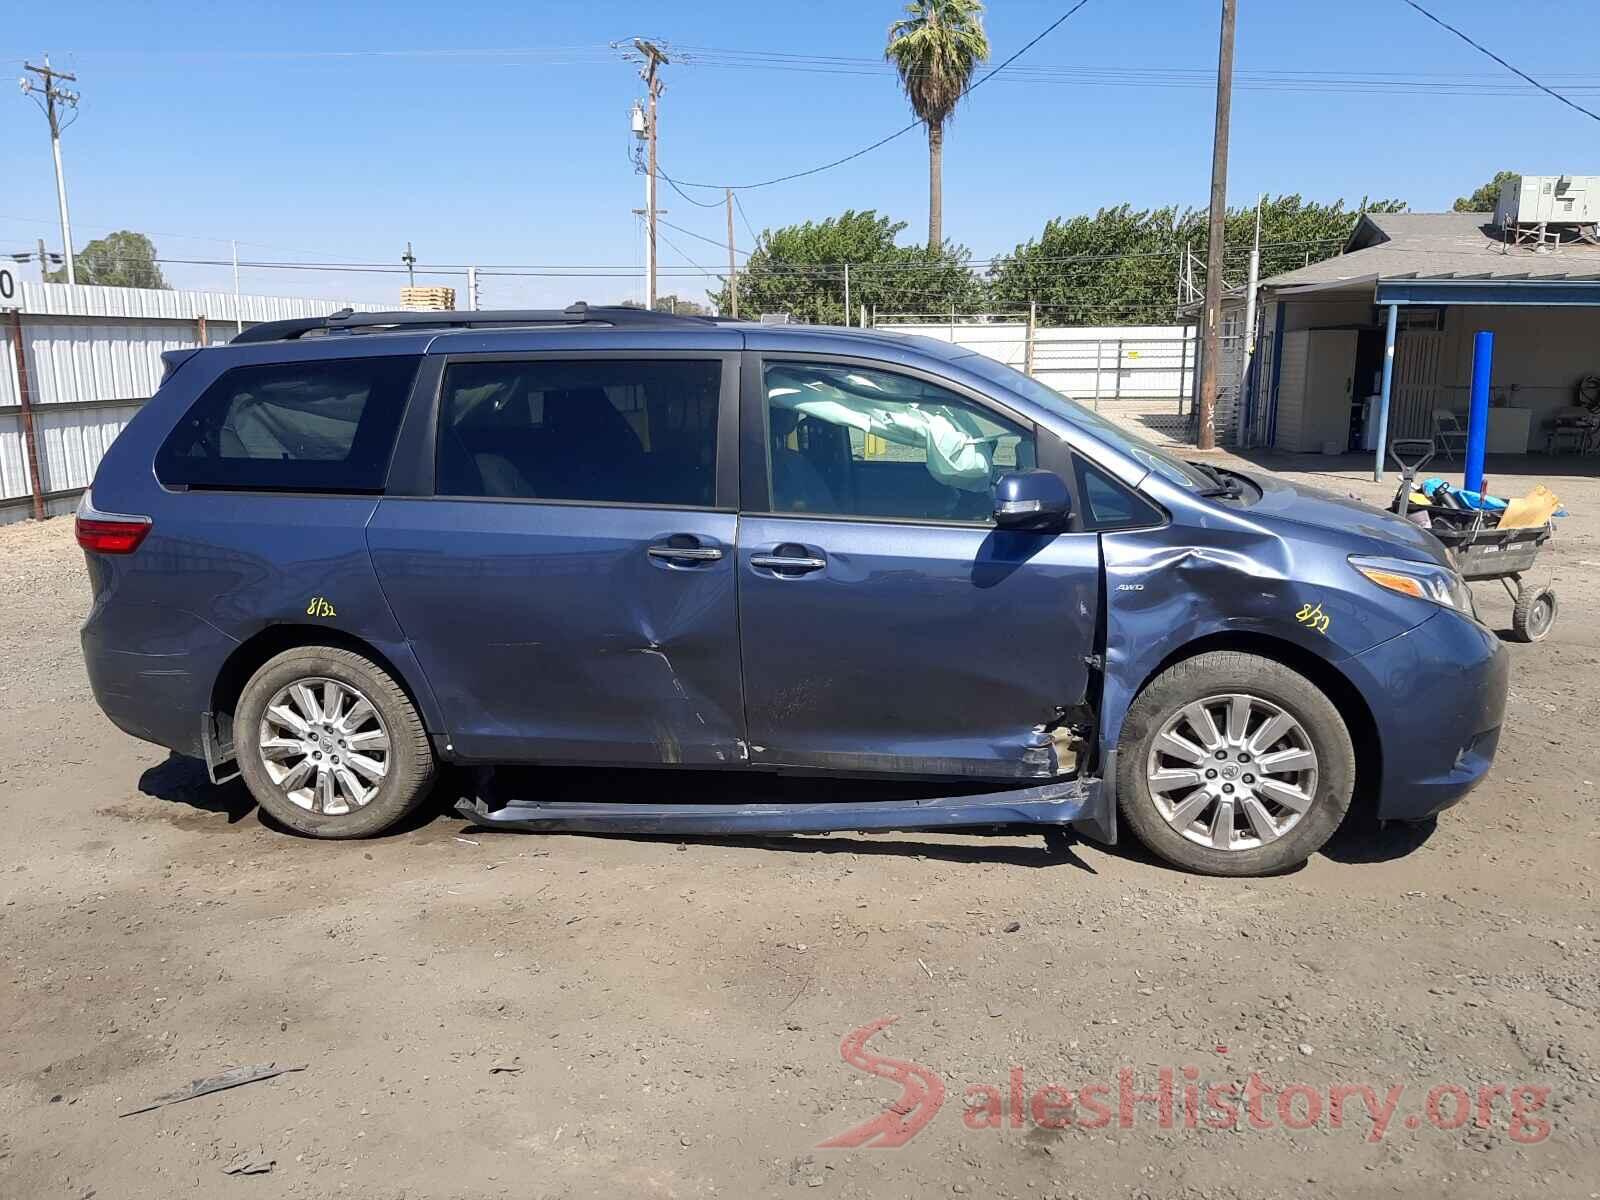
(936, 47)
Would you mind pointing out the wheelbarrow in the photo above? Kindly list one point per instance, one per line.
(1481, 550)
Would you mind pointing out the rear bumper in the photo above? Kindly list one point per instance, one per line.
(1438, 696)
(160, 691)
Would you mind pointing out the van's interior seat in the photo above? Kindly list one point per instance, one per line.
(797, 485)
(588, 448)
(462, 472)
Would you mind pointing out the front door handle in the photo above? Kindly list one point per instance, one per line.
(785, 562)
(685, 554)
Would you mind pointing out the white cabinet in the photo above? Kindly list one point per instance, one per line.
(1315, 389)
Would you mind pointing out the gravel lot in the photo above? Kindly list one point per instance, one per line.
(486, 1015)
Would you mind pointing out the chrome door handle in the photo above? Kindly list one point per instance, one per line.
(685, 554)
(783, 562)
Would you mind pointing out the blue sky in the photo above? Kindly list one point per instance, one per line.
(497, 132)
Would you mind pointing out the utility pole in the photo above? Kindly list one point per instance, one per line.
(410, 261)
(44, 263)
(54, 99)
(1206, 438)
(733, 267)
(1249, 330)
(653, 60)
(472, 288)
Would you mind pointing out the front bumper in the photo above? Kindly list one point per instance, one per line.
(1437, 695)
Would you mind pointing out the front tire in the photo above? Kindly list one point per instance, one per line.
(1234, 764)
(330, 744)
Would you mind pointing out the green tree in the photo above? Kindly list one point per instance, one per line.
(936, 47)
(1487, 196)
(672, 303)
(799, 269)
(1123, 266)
(121, 259)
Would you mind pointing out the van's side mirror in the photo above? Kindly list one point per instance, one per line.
(1032, 501)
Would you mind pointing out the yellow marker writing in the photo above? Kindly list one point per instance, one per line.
(1313, 618)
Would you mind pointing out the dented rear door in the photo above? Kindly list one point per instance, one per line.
(569, 586)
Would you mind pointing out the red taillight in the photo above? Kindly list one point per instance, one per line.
(110, 536)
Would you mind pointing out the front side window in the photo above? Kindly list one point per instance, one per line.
(325, 426)
(1148, 455)
(619, 431)
(850, 441)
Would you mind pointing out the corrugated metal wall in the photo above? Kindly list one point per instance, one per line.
(94, 356)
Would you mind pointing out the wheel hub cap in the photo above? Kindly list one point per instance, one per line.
(324, 745)
(1232, 771)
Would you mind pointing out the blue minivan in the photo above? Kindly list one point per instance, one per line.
(341, 553)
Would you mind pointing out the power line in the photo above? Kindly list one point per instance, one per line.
(1141, 77)
(676, 250)
(1485, 50)
(755, 238)
(720, 245)
(838, 162)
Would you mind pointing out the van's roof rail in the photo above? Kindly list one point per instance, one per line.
(349, 321)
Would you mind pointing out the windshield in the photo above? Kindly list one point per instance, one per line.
(1158, 460)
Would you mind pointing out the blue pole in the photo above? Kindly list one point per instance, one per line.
(1383, 400)
(1478, 416)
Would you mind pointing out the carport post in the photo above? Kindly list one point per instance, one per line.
(1383, 400)
(1478, 414)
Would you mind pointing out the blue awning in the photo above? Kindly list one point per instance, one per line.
(1507, 292)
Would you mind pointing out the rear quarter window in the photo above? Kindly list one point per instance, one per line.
(322, 426)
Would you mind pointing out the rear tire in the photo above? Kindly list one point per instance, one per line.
(1271, 761)
(350, 772)
(1534, 614)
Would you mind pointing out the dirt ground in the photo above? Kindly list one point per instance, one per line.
(484, 1015)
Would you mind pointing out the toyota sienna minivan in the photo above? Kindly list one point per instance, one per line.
(341, 552)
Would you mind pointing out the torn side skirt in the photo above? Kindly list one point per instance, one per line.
(1059, 803)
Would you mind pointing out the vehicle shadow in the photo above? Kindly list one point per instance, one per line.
(972, 851)
(1364, 839)
(183, 780)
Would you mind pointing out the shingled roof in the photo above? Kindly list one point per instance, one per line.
(1441, 246)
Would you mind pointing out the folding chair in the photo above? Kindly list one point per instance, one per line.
(1447, 429)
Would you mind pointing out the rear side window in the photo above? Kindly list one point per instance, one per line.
(326, 426)
(619, 431)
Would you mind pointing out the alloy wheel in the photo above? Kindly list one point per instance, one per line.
(324, 745)
(1232, 772)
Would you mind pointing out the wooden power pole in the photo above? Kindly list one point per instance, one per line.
(1210, 348)
(654, 59)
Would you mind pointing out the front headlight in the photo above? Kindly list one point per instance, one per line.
(1419, 580)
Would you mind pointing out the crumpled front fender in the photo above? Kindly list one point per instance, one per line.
(1164, 592)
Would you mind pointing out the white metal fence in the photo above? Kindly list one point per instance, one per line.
(91, 358)
(1140, 376)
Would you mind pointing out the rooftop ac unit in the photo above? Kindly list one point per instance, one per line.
(1549, 200)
